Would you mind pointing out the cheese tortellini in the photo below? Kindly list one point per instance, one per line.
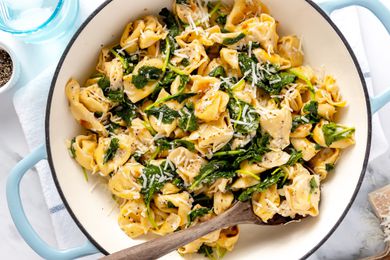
(203, 106)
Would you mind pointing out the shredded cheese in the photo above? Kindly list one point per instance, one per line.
(160, 117)
(192, 24)
(238, 122)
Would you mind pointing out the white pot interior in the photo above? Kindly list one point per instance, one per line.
(92, 204)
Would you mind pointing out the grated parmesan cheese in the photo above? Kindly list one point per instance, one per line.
(160, 117)
(192, 24)
(238, 122)
(130, 43)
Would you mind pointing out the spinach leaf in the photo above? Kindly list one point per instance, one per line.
(166, 83)
(257, 148)
(115, 95)
(172, 24)
(165, 144)
(168, 79)
(125, 110)
(137, 156)
(229, 153)
(206, 250)
(221, 19)
(203, 200)
(111, 127)
(196, 213)
(110, 153)
(181, 97)
(167, 114)
(274, 84)
(245, 63)
(334, 132)
(128, 62)
(139, 81)
(313, 185)
(104, 83)
(272, 179)
(182, 2)
(146, 74)
(153, 178)
(228, 83)
(244, 117)
(184, 143)
(295, 157)
(265, 75)
(297, 121)
(71, 148)
(311, 109)
(185, 62)
(214, 8)
(310, 115)
(231, 41)
(178, 182)
(171, 205)
(212, 171)
(246, 47)
(329, 167)
(187, 120)
(218, 72)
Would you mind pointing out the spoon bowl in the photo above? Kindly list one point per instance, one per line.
(240, 213)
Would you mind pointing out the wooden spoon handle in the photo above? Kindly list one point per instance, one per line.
(156, 248)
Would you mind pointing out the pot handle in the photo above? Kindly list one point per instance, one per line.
(19, 217)
(383, 14)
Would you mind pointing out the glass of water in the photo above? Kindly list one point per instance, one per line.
(36, 21)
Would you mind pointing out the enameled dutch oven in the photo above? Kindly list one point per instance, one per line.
(323, 44)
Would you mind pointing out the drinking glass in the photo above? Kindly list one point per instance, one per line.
(36, 21)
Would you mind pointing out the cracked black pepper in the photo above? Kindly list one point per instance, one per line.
(5, 67)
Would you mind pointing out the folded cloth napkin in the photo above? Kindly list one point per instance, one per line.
(31, 116)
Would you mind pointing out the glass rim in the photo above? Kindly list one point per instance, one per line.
(41, 26)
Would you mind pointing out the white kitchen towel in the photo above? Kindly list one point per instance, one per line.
(30, 103)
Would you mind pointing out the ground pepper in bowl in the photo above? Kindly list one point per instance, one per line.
(6, 67)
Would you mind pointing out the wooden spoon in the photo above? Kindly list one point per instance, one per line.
(240, 213)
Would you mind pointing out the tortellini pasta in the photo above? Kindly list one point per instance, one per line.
(85, 117)
(264, 56)
(187, 163)
(242, 10)
(125, 149)
(325, 161)
(211, 106)
(265, 204)
(142, 34)
(201, 107)
(93, 99)
(289, 47)
(83, 148)
(124, 182)
(303, 194)
(136, 94)
(211, 137)
(277, 123)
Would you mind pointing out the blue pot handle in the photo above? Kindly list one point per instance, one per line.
(383, 14)
(21, 222)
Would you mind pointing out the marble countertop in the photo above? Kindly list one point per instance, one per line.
(359, 234)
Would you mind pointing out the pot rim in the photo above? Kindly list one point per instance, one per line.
(337, 31)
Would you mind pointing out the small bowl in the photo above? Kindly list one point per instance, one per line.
(15, 69)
